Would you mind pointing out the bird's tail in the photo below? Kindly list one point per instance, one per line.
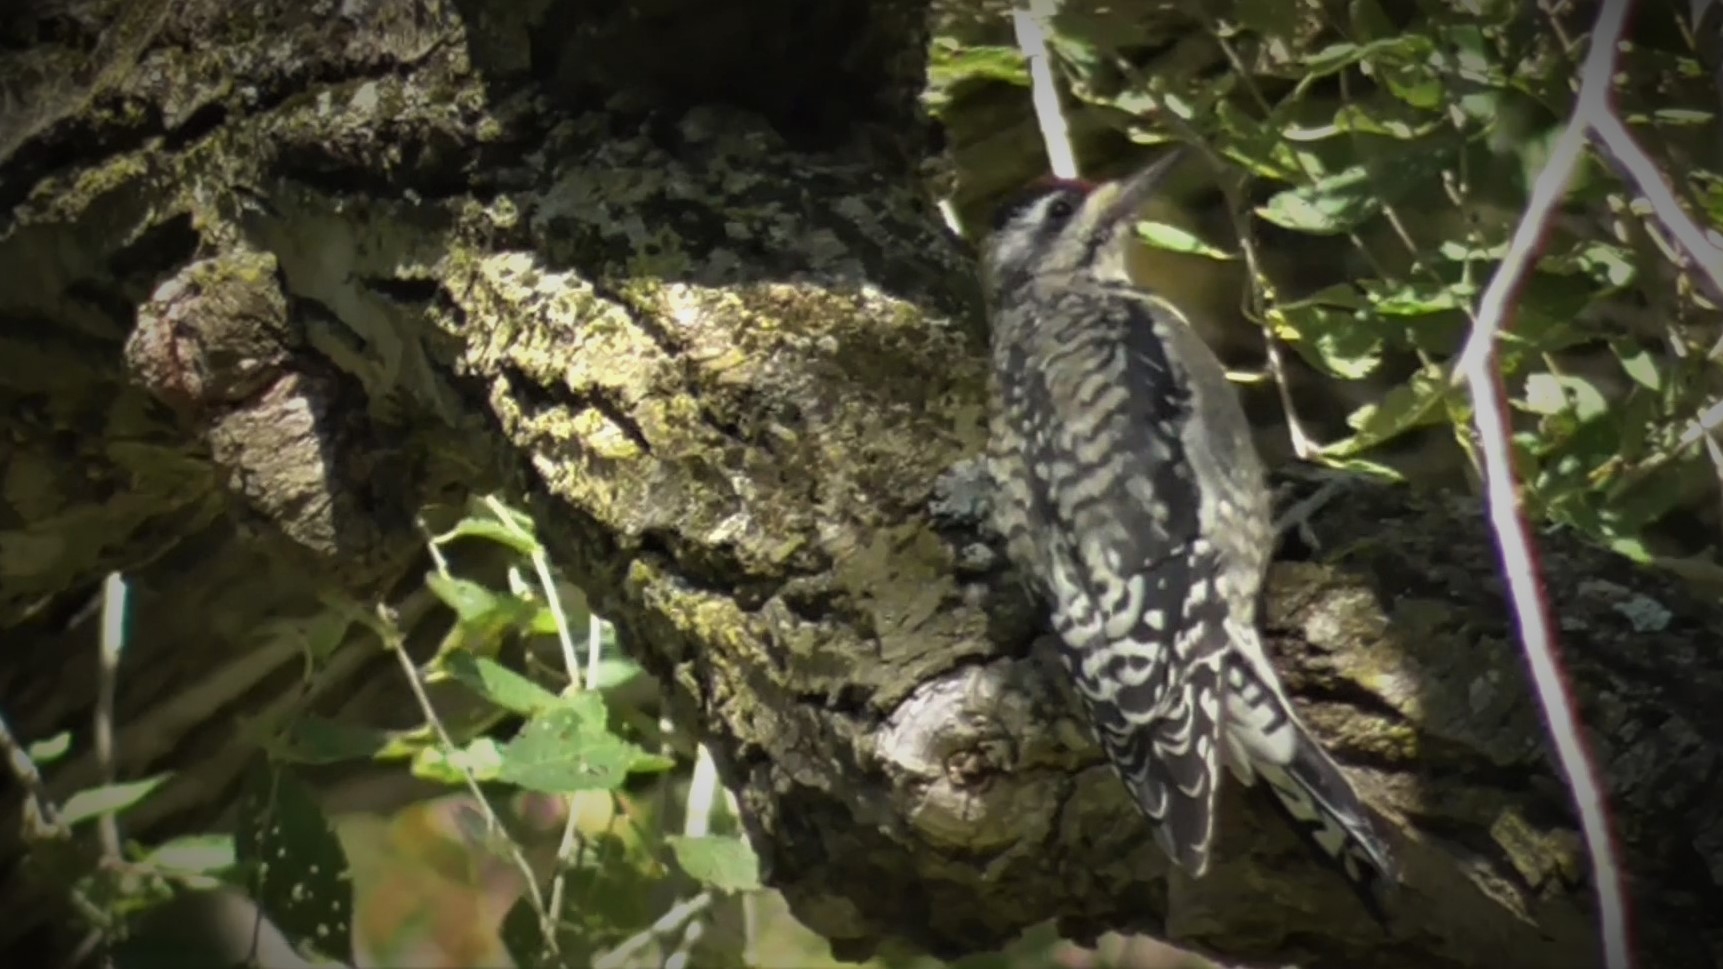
(1171, 765)
(1267, 740)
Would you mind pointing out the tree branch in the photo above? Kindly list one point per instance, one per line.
(725, 351)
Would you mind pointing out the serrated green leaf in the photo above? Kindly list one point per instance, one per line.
(108, 799)
(1174, 239)
(723, 862)
(298, 872)
(311, 739)
(498, 684)
(570, 748)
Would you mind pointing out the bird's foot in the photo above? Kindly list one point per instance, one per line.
(1297, 517)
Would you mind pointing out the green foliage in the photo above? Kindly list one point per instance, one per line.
(727, 864)
(498, 684)
(195, 858)
(1386, 151)
(534, 748)
(570, 748)
(107, 799)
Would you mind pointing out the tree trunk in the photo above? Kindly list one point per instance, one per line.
(278, 281)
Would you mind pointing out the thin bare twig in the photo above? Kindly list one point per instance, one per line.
(113, 641)
(42, 815)
(669, 922)
(1637, 169)
(1490, 419)
(493, 821)
(1029, 24)
(541, 567)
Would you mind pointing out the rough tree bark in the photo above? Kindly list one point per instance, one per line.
(275, 280)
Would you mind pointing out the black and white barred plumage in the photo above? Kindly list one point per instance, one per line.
(1130, 493)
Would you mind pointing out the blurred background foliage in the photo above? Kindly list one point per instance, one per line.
(1353, 171)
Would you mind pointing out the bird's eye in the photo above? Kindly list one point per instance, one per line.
(1060, 209)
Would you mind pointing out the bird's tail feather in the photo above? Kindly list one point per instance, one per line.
(1269, 741)
(1172, 768)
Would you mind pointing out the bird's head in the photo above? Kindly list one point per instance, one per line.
(1067, 226)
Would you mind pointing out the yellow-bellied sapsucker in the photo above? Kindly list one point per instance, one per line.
(1130, 494)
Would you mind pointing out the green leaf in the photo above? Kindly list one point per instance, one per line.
(1414, 83)
(1332, 204)
(477, 607)
(1388, 119)
(613, 672)
(46, 751)
(723, 862)
(949, 62)
(201, 854)
(1546, 309)
(570, 748)
(490, 529)
(1340, 201)
(1418, 298)
(1174, 239)
(1611, 265)
(1681, 116)
(498, 684)
(298, 872)
(1548, 393)
(482, 758)
(1400, 48)
(1459, 251)
(545, 623)
(951, 66)
(1329, 330)
(1416, 403)
(108, 799)
(311, 739)
(1640, 366)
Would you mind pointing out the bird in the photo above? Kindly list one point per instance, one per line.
(1128, 493)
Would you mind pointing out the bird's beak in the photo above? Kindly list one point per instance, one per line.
(1128, 195)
